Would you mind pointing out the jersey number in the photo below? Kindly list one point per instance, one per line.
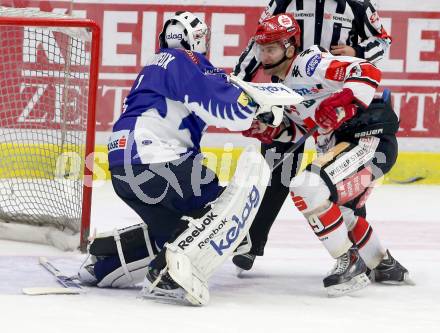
(139, 81)
(316, 224)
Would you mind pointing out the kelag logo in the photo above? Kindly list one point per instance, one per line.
(232, 233)
(312, 63)
(174, 36)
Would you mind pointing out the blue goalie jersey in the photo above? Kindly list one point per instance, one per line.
(176, 96)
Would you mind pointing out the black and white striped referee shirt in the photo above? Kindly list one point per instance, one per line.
(326, 23)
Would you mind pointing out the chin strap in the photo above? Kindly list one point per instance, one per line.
(284, 58)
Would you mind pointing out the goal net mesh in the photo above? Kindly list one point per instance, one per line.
(44, 92)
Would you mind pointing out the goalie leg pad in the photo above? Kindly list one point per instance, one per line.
(130, 238)
(194, 256)
(112, 273)
(119, 259)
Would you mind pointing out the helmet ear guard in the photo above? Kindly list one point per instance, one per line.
(185, 30)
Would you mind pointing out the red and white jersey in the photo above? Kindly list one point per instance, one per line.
(316, 74)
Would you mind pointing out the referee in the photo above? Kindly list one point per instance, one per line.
(345, 27)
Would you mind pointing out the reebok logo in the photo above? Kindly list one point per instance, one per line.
(198, 229)
(213, 233)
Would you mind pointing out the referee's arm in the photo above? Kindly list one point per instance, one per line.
(375, 41)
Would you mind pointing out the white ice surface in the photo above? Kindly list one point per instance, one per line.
(283, 293)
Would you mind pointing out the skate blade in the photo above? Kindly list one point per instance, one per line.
(407, 281)
(356, 283)
(239, 272)
(51, 291)
(176, 297)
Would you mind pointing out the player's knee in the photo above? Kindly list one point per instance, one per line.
(308, 191)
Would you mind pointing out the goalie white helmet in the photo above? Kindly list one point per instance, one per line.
(185, 30)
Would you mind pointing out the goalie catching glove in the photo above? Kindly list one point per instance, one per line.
(335, 110)
(270, 98)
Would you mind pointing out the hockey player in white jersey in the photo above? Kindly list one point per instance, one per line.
(156, 169)
(355, 141)
(345, 27)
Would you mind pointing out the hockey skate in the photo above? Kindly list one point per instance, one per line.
(158, 285)
(390, 271)
(243, 259)
(348, 275)
(244, 262)
(86, 275)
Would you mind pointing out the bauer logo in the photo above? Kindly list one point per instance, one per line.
(233, 233)
(118, 140)
(312, 64)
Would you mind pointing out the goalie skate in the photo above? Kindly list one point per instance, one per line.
(159, 286)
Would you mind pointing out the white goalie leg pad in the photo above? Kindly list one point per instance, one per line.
(194, 256)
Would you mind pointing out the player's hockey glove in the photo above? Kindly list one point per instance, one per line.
(266, 134)
(335, 110)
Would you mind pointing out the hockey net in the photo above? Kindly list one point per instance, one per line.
(48, 82)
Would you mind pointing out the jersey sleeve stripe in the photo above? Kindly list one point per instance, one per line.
(364, 80)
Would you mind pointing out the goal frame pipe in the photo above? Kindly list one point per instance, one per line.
(91, 111)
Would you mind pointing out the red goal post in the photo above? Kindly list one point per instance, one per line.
(48, 85)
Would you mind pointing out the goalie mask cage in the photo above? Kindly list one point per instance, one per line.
(48, 84)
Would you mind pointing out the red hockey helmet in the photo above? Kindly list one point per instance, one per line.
(279, 28)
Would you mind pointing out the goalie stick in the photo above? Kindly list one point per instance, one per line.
(70, 286)
(296, 145)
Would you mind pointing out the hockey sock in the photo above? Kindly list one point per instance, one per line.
(328, 224)
(367, 242)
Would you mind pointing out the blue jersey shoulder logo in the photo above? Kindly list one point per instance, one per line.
(312, 63)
